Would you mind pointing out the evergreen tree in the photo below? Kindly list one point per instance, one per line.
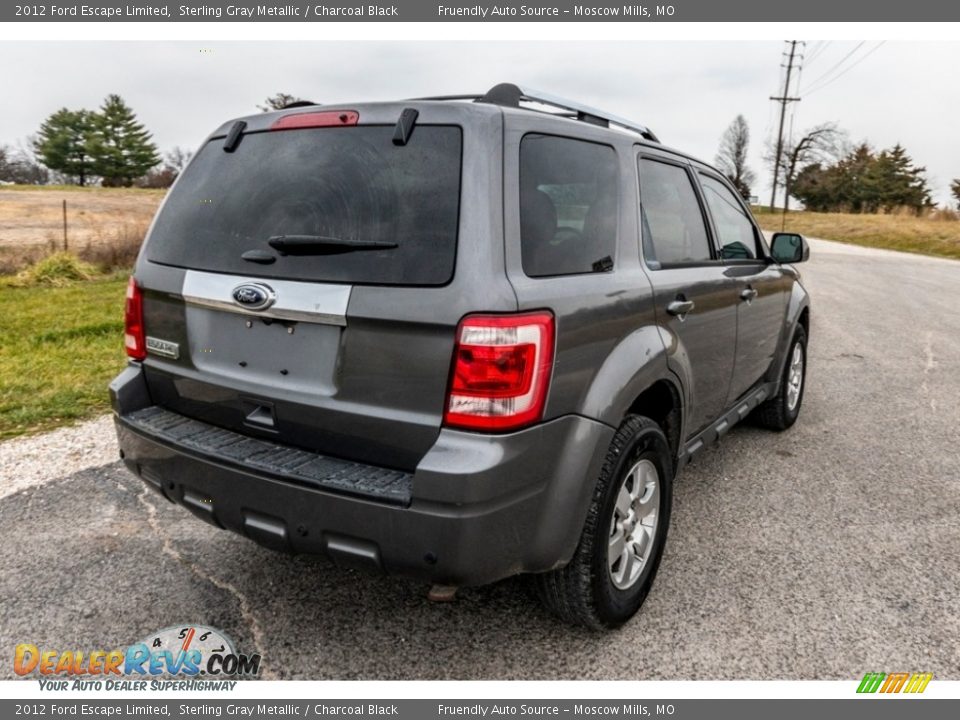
(896, 183)
(63, 143)
(955, 190)
(864, 181)
(121, 146)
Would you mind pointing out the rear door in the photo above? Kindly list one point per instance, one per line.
(696, 301)
(761, 286)
(301, 286)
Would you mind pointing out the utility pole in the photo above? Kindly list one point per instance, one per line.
(784, 99)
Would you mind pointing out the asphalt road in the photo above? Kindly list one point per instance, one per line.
(822, 552)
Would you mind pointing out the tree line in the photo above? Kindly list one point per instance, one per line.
(109, 146)
(109, 143)
(820, 168)
(824, 172)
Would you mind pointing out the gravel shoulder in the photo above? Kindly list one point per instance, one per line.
(37, 459)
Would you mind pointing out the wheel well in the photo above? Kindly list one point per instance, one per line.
(805, 320)
(661, 403)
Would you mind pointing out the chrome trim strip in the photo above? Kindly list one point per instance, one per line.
(320, 303)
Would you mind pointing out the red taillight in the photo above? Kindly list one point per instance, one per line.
(328, 118)
(501, 370)
(133, 335)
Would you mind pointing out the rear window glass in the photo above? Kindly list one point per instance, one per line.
(349, 194)
(568, 206)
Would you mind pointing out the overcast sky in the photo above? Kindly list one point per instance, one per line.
(687, 92)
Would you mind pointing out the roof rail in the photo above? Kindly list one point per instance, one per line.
(510, 95)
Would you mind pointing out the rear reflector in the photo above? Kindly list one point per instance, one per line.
(328, 118)
(134, 339)
(501, 371)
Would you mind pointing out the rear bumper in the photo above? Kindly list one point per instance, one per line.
(478, 508)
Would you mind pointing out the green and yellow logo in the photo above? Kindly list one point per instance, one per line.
(894, 682)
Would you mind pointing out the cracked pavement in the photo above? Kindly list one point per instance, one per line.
(818, 553)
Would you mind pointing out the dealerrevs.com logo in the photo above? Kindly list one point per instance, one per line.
(172, 658)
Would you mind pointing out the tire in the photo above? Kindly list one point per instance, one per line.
(586, 591)
(782, 410)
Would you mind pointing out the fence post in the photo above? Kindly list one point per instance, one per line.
(64, 225)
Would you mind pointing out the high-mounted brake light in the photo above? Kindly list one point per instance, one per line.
(134, 338)
(328, 118)
(501, 371)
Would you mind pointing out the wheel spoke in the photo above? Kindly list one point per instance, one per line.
(635, 480)
(623, 502)
(618, 543)
(641, 541)
(649, 502)
(626, 569)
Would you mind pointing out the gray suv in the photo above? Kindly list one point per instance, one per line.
(455, 338)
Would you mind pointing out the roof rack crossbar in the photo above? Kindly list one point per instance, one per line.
(510, 95)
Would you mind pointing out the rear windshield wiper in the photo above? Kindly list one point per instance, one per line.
(322, 245)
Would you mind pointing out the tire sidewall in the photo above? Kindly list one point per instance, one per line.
(799, 338)
(613, 605)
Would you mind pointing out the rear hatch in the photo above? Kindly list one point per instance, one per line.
(301, 280)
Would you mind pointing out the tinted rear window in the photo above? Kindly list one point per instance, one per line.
(351, 184)
(568, 205)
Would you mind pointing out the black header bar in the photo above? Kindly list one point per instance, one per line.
(466, 11)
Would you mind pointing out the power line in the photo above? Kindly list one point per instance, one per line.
(817, 50)
(838, 64)
(848, 69)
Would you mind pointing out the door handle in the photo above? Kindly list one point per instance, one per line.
(748, 294)
(680, 307)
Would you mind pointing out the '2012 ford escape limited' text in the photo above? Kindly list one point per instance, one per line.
(454, 338)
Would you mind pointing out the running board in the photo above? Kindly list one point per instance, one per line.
(722, 425)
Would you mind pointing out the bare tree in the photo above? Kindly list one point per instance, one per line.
(279, 102)
(19, 165)
(820, 144)
(732, 156)
(178, 158)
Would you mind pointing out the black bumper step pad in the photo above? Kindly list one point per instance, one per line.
(303, 467)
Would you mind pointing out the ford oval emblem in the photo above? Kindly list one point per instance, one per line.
(254, 296)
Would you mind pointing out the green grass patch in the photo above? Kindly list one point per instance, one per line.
(59, 347)
(56, 270)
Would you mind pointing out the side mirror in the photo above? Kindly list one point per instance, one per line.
(788, 248)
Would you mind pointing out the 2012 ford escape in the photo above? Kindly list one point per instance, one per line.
(454, 338)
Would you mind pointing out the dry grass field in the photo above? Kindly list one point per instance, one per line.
(98, 221)
(938, 234)
(34, 215)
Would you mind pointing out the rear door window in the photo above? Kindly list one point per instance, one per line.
(380, 213)
(568, 205)
(738, 237)
(673, 228)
